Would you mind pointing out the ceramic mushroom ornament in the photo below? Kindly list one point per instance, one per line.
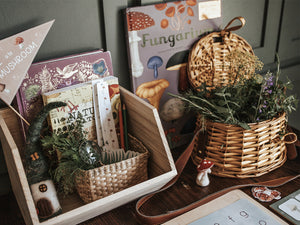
(137, 21)
(203, 169)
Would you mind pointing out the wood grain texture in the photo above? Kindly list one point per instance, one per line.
(16, 171)
(141, 117)
(184, 192)
(144, 122)
(13, 123)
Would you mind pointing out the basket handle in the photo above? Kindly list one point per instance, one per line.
(228, 29)
(290, 138)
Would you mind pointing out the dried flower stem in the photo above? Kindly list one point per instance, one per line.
(204, 110)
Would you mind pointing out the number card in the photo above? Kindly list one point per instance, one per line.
(235, 207)
(241, 212)
(289, 207)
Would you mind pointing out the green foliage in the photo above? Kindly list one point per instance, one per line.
(66, 145)
(249, 98)
(37, 169)
(71, 151)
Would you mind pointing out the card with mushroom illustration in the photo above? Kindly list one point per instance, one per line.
(159, 38)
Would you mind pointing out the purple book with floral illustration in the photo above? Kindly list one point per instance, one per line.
(57, 73)
(159, 38)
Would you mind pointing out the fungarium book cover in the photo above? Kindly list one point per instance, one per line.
(58, 73)
(159, 38)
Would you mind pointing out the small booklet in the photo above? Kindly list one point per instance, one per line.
(81, 98)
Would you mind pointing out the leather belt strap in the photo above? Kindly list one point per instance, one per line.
(180, 164)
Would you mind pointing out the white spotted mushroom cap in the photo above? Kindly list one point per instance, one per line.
(204, 165)
(138, 21)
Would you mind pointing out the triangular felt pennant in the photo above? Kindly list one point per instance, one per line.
(16, 55)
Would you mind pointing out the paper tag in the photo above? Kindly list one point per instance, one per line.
(97, 114)
(109, 134)
(209, 10)
(16, 55)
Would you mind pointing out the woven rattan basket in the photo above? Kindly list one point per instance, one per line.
(105, 180)
(208, 61)
(236, 152)
(241, 153)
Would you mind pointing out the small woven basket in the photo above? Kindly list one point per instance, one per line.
(241, 153)
(100, 182)
(208, 61)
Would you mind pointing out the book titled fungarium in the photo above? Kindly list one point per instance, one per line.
(159, 39)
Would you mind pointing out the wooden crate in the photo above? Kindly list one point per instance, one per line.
(144, 123)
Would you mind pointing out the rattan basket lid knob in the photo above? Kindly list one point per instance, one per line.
(208, 63)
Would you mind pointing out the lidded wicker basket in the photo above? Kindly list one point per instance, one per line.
(236, 152)
(100, 182)
(208, 62)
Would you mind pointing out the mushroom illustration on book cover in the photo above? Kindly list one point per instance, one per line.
(159, 38)
(16, 55)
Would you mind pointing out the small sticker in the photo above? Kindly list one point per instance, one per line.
(209, 10)
(265, 194)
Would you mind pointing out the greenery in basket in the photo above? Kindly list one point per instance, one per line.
(71, 151)
(63, 147)
(248, 98)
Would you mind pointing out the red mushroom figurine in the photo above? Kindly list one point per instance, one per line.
(203, 169)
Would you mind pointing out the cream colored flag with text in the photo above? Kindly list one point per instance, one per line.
(16, 55)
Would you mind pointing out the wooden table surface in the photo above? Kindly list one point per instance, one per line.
(184, 192)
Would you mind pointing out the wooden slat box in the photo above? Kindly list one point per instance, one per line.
(144, 124)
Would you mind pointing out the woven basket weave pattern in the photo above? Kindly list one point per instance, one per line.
(208, 61)
(241, 153)
(105, 180)
(236, 152)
